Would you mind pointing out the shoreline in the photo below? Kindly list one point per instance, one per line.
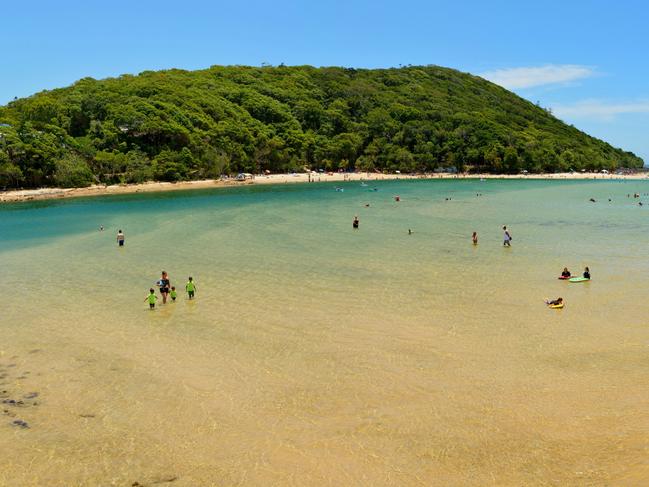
(15, 196)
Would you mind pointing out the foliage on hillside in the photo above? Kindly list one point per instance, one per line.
(175, 125)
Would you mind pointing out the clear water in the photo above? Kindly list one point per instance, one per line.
(319, 355)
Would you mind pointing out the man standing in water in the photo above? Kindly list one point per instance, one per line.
(507, 238)
(355, 222)
(120, 238)
(164, 284)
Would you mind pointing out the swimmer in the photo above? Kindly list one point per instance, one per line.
(367, 205)
(507, 238)
(592, 200)
(474, 238)
(397, 198)
(173, 294)
(190, 287)
(409, 232)
(120, 238)
(151, 298)
(355, 222)
(555, 302)
(586, 273)
(565, 273)
(101, 228)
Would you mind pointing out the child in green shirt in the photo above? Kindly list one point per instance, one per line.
(173, 293)
(190, 287)
(152, 298)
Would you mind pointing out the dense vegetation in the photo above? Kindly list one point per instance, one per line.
(175, 125)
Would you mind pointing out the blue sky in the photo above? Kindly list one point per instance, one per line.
(586, 60)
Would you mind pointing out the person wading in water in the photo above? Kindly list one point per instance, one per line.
(164, 284)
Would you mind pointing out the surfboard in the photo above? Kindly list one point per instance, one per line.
(578, 279)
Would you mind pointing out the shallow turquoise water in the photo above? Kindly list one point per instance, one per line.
(316, 350)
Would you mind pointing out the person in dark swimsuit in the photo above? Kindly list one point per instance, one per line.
(164, 285)
(355, 222)
(586, 273)
(565, 273)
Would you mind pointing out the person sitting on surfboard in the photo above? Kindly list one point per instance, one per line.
(566, 273)
(555, 302)
(586, 273)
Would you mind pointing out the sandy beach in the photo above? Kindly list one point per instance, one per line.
(101, 190)
(315, 354)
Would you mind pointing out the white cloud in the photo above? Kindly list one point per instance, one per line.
(512, 78)
(599, 110)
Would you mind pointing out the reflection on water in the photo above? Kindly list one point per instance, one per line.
(316, 355)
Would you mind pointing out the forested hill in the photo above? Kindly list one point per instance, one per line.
(175, 125)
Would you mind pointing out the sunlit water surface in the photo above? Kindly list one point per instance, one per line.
(319, 355)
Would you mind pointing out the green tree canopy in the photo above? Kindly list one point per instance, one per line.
(176, 125)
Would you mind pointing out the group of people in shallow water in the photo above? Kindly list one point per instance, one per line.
(169, 291)
(507, 242)
(164, 284)
(507, 237)
(565, 274)
(635, 195)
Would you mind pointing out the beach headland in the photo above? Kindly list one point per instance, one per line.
(155, 186)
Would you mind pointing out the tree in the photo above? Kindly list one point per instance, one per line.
(72, 171)
(511, 162)
(139, 168)
(170, 166)
(10, 174)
